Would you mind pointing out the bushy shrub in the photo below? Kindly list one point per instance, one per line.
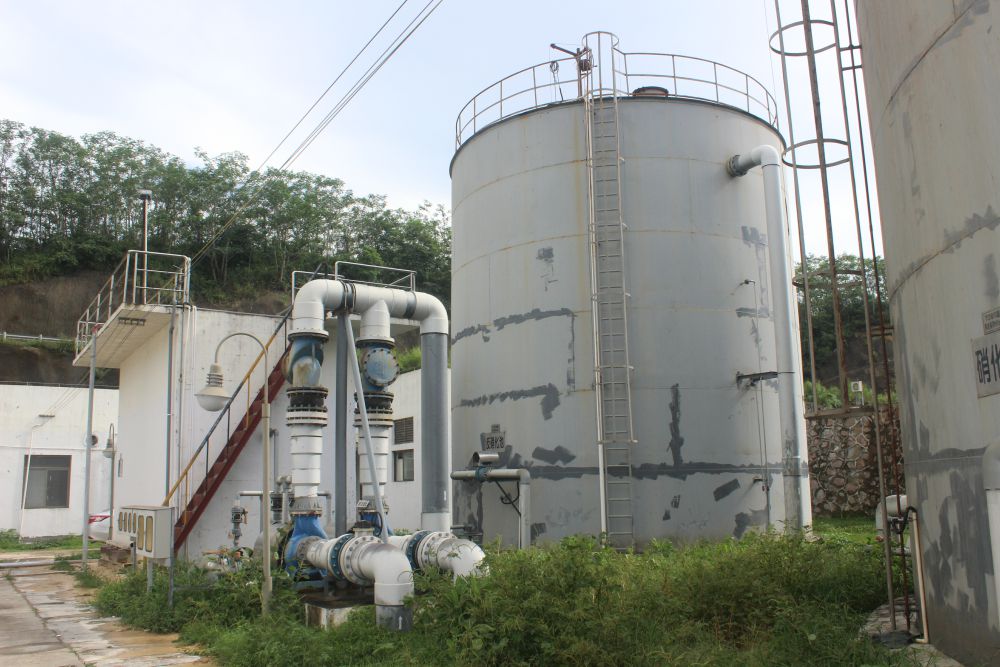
(763, 600)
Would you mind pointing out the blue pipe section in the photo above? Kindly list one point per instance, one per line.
(306, 525)
(304, 361)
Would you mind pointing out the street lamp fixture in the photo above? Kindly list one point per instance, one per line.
(214, 398)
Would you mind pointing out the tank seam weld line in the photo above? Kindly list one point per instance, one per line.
(922, 56)
(966, 235)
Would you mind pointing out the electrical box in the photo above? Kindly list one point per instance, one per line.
(148, 527)
(857, 386)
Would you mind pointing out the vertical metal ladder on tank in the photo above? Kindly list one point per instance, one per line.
(610, 307)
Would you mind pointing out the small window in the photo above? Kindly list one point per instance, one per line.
(402, 468)
(403, 431)
(46, 481)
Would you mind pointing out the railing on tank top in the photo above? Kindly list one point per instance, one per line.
(660, 74)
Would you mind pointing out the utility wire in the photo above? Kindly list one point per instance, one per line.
(67, 396)
(330, 87)
(383, 58)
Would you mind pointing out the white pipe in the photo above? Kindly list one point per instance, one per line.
(523, 478)
(307, 456)
(380, 432)
(375, 327)
(444, 551)
(795, 453)
(363, 560)
(317, 297)
(375, 323)
(388, 567)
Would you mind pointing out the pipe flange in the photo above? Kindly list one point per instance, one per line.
(412, 545)
(334, 560)
(430, 546)
(303, 546)
(306, 417)
(347, 559)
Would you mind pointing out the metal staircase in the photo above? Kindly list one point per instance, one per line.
(610, 301)
(216, 473)
(192, 506)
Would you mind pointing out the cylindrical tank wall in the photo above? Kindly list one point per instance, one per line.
(523, 351)
(932, 84)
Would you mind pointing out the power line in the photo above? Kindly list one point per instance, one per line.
(69, 394)
(330, 87)
(382, 59)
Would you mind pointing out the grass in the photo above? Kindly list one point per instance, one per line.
(764, 600)
(857, 529)
(11, 541)
(89, 579)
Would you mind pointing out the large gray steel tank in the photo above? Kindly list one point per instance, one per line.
(707, 457)
(933, 88)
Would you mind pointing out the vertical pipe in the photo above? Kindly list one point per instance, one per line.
(340, 427)
(435, 481)
(793, 432)
(86, 450)
(170, 397)
(265, 500)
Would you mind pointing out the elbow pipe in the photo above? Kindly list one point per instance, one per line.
(389, 568)
(364, 560)
(318, 297)
(441, 550)
(762, 156)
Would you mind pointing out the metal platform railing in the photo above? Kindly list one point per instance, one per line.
(660, 74)
(141, 278)
(361, 274)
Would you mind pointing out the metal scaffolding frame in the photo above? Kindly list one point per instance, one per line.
(846, 58)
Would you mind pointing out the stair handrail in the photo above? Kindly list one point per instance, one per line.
(227, 409)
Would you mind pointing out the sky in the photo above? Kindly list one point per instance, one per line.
(235, 76)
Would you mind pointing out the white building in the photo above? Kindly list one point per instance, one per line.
(42, 462)
(150, 343)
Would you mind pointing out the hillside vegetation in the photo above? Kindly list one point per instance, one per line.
(70, 204)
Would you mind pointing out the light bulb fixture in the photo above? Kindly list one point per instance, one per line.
(213, 397)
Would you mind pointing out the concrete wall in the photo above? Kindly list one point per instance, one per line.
(62, 434)
(933, 85)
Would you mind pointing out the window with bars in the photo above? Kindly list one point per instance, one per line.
(403, 430)
(46, 481)
(402, 466)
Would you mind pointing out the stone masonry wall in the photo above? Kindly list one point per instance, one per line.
(843, 463)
